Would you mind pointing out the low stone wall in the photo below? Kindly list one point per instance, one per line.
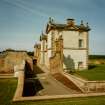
(87, 86)
(18, 68)
(77, 81)
(94, 86)
(81, 83)
(19, 73)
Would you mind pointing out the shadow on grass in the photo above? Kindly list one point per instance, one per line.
(91, 67)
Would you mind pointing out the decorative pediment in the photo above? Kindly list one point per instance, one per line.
(69, 26)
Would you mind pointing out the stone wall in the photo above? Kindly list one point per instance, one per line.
(56, 61)
(2, 65)
(73, 57)
(11, 59)
(87, 86)
(19, 73)
(73, 53)
(55, 64)
(94, 86)
(37, 52)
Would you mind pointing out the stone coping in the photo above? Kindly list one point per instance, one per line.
(6, 76)
(50, 97)
(20, 86)
(85, 81)
(18, 94)
(69, 76)
(87, 86)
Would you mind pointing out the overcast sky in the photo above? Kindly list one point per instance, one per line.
(22, 21)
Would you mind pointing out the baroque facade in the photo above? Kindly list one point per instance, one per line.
(64, 46)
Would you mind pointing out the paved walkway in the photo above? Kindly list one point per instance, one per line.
(51, 86)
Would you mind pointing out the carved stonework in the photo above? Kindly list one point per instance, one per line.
(59, 46)
(56, 61)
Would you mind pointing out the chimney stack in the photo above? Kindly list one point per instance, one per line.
(70, 22)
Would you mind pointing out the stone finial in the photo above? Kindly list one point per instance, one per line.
(87, 25)
(81, 22)
(42, 33)
(40, 38)
(50, 20)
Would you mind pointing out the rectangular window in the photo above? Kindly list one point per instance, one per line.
(80, 65)
(80, 43)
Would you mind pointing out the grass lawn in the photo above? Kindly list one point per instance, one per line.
(7, 89)
(96, 72)
(8, 86)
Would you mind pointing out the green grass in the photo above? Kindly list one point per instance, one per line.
(95, 73)
(7, 90)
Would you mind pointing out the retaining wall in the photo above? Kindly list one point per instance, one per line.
(87, 86)
(19, 73)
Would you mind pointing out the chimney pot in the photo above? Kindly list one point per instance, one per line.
(70, 22)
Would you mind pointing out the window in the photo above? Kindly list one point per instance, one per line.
(80, 65)
(80, 43)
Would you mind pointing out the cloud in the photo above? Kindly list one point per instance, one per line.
(22, 5)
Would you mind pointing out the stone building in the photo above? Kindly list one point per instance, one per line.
(64, 46)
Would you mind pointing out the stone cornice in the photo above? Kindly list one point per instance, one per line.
(67, 48)
(53, 26)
